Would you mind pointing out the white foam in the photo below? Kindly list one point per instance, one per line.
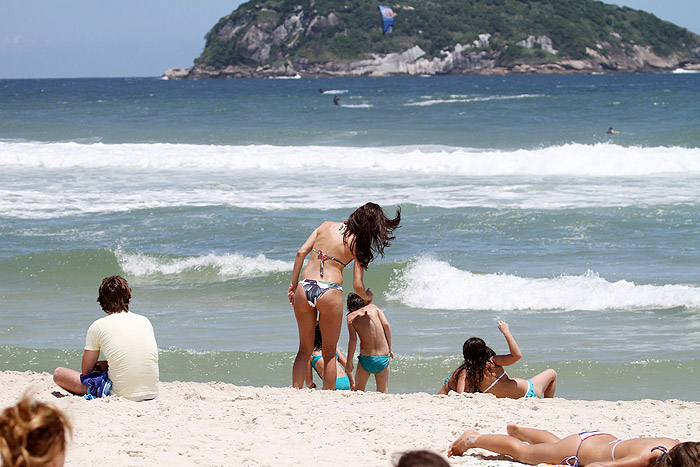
(458, 98)
(433, 284)
(226, 266)
(49, 180)
(602, 159)
(357, 106)
(335, 91)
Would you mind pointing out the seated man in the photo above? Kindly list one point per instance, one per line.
(126, 341)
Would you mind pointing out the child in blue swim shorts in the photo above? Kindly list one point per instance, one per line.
(370, 323)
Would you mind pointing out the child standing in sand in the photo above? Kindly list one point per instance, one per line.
(482, 371)
(375, 343)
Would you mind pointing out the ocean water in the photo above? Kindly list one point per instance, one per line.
(516, 205)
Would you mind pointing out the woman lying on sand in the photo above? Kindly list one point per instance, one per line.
(586, 449)
(482, 371)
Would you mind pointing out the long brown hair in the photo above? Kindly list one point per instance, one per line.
(32, 434)
(369, 231)
(476, 356)
(115, 294)
(681, 455)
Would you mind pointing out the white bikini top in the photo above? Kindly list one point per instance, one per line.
(497, 380)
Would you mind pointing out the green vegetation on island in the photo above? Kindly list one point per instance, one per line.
(272, 32)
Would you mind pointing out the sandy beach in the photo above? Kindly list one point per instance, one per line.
(223, 424)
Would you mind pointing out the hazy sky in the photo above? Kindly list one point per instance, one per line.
(100, 38)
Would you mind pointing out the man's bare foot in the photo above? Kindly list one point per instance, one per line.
(466, 441)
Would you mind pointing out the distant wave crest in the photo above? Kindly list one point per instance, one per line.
(457, 98)
(225, 266)
(602, 159)
(433, 284)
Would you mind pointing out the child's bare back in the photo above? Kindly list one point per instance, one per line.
(370, 324)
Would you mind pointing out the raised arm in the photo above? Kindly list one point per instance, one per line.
(352, 343)
(358, 283)
(515, 353)
(299, 262)
(387, 330)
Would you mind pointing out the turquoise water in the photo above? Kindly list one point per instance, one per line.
(516, 205)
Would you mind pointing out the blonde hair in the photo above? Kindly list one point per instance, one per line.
(32, 434)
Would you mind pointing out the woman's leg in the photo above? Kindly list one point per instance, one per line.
(545, 383)
(531, 435)
(330, 320)
(513, 447)
(306, 322)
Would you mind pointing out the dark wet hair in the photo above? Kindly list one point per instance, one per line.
(32, 433)
(476, 356)
(369, 231)
(115, 294)
(354, 302)
(318, 339)
(681, 455)
(422, 458)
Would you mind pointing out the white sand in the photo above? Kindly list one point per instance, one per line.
(222, 424)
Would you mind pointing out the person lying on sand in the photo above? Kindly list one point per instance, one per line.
(585, 449)
(370, 323)
(482, 371)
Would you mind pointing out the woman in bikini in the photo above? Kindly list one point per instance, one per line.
(586, 449)
(318, 296)
(482, 371)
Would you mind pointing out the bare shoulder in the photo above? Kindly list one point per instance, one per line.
(325, 225)
(374, 311)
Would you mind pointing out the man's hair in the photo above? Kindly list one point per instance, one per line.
(422, 458)
(32, 434)
(115, 294)
(355, 302)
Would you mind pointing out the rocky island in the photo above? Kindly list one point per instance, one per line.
(333, 38)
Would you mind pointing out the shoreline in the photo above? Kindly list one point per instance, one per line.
(223, 424)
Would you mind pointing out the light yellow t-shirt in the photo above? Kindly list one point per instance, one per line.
(129, 346)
